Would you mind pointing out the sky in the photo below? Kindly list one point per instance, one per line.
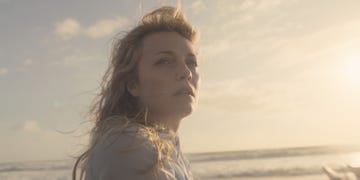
(275, 74)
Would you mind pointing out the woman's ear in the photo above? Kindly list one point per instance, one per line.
(133, 88)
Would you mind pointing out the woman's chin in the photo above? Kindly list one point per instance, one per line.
(185, 110)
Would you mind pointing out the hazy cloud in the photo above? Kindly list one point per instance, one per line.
(29, 126)
(250, 5)
(253, 94)
(235, 95)
(70, 28)
(57, 104)
(28, 62)
(197, 6)
(265, 4)
(3, 71)
(318, 43)
(211, 50)
(76, 60)
(105, 27)
(67, 28)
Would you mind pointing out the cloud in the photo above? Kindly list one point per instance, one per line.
(250, 5)
(67, 28)
(253, 94)
(30, 126)
(105, 27)
(234, 95)
(70, 28)
(318, 43)
(197, 6)
(57, 104)
(3, 71)
(28, 62)
(211, 50)
(265, 4)
(242, 32)
(76, 60)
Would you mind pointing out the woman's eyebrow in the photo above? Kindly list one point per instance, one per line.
(169, 52)
(166, 52)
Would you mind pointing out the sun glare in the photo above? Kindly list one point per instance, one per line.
(352, 70)
(354, 159)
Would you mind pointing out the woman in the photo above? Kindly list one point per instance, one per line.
(151, 84)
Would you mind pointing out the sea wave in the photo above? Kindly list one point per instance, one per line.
(271, 153)
(275, 172)
(36, 166)
(257, 163)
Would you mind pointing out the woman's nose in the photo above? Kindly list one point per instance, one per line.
(184, 72)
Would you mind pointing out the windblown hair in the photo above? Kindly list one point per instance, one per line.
(115, 108)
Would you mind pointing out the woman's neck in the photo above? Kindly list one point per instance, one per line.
(170, 123)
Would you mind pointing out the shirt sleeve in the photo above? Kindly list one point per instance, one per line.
(111, 162)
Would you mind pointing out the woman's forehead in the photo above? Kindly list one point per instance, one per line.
(167, 42)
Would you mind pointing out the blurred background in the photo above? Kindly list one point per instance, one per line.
(276, 74)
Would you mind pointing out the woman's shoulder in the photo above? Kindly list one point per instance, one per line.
(121, 154)
(128, 141)
(120, 139)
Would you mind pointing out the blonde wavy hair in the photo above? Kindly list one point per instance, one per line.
(115, 108)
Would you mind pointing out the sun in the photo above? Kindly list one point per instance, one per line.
(352, 70)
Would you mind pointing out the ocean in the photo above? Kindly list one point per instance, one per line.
(287, 163)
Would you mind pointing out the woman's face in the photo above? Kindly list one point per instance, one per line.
(168, 76)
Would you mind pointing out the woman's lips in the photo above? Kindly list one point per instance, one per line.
(185, 90)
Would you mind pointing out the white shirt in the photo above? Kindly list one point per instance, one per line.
(106, 162)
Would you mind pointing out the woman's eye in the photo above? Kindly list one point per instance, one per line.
(193, 63)
(163, 61)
